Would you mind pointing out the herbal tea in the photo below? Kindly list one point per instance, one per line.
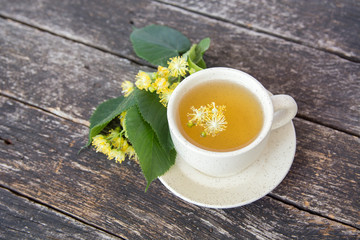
(239, 116)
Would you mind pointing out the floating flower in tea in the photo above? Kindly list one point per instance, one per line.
(198, 115)
(210, 117)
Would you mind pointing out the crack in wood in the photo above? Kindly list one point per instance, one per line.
(263, 31)
(329, 217)
(104, 50)
(7, 141)
(313, 120)
(245, 26)
(58, 211)
(290, 204)
(62, 115)
(52, 111)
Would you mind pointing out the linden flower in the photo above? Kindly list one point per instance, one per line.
(114, 133)
(143, 80)
(174, 85)
(127, 87)
(101, 144)
(120, 143)
(130, 151)
(123, 144)
(165, 96)
(115, 145)
(116, 142)
(215, 124)
(178, 66)
(163, 72)
(122, 119)
(160, 84)
(116, 154)
(198, 115)
(114, 137)
(210, 117)
(215, 109)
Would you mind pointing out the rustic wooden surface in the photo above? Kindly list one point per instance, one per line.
(22, 218)
(59, 59)
(326, 88)
(326, 25)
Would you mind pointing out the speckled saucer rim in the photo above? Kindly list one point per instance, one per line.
(287, 131)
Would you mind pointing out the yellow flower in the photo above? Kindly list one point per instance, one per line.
(120, 143)
(114, 133)
(174, 85)
(127, 87)
(123, 144)
(215, 124)
(210, 117)
(160, 84)
(130, 151)
(116, 154)
(163, 72)
(165, 96)
(116, 141)
(152, 88)
(178, 66)
(101, 144)
(122, 119)
(114, 137)
(198, 115)
(215, 109)
(143, 80)
(114, 145)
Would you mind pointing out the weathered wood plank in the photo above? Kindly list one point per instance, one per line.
(325, 174)
(23, 219)
(332, 25)
(324, 85)
(40, 160)
(73, 90)
(58, 75)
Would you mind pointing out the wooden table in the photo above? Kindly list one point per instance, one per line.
(59, 59)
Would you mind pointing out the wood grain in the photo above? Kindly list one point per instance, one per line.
(325, 175)
(21, 218)
(51, 82)
(71, 89)
(44, 164)
(325, 86)
(330, 25)
(60, 76)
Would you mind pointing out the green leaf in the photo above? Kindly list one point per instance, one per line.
(154, 113)
(156, 44)
(201, 48)
(106, 112)
(154, 159)
(195, 54)
(204, 45)
(191, 55)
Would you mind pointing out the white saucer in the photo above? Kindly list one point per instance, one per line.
(243, 188)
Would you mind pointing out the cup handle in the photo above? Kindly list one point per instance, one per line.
(285, 109)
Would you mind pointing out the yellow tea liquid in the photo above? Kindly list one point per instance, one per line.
(243, 114)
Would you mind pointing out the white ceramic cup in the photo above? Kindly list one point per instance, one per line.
(277, 110)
